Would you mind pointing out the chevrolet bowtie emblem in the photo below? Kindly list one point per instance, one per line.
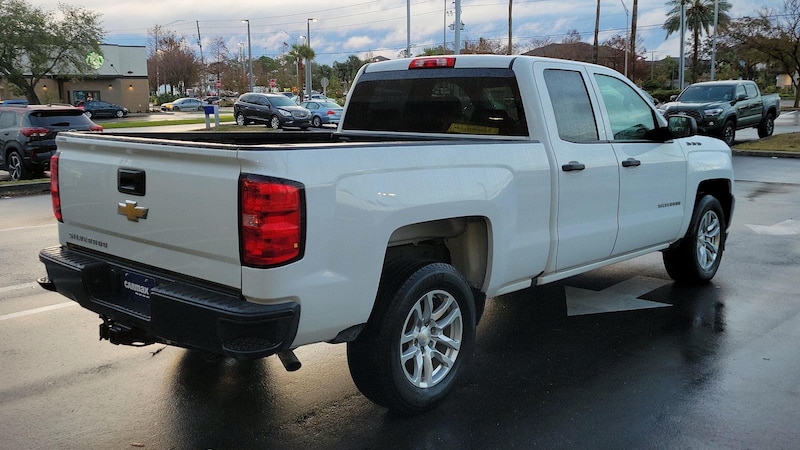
(131, 211)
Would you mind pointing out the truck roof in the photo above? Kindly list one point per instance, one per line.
(461, 61)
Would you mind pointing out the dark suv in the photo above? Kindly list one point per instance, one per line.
(275, 110)
(28, 136)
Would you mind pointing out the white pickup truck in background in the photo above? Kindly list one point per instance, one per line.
(449, 180)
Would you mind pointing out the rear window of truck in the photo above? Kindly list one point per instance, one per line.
(441, 100)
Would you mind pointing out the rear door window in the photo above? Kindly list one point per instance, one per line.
(67, 119)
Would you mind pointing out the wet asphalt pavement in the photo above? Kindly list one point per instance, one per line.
(619, 357)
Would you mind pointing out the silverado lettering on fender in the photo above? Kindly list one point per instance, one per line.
(449, 180)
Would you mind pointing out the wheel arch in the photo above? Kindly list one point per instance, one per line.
(462, 242)
(721, 189)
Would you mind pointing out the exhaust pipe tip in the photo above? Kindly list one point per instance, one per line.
(289, 360)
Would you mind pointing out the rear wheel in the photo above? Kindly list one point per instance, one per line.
(767, 126)
(697, 257)
(16, 166)
(274, 122)
(414, 347)
(316, 122)
(88, 114)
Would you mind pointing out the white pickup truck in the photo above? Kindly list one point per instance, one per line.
(449, 180)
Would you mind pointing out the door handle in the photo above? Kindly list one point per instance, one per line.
(572, 166)
(631, 162)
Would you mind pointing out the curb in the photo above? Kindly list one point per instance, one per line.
(22, 189)
(765, 154)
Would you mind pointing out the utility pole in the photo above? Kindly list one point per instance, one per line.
(458, 28)
(627, 36)
(632, 54)
(682, 60)
(595, 48)
(714, 41)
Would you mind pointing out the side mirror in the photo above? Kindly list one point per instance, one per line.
(682, 126)
(741, 97)
(673, 97)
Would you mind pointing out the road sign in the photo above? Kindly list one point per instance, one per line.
(219, 83)
(272, 83)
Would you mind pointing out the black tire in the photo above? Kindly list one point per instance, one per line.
(241, 120)
(316, 122)
(88, 114)
(767, 126)
(120, 114)
(418, 340)
(697, 257)
(15, 165)
(274, 123)
(728, 133)
(176, 108)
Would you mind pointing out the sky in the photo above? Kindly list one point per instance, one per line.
(379, 27)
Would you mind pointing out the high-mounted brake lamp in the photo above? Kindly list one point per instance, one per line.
(432, 62)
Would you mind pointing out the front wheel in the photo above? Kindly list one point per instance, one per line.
(241, 120)
(316, 122)
(418, 339)
(120, 113)
(88, 114)
(697, 257)
(767, 126)
(274, 122)
(16, 166)
(728, 133)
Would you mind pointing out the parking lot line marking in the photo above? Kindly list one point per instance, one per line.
(18, 286)
(623, 296)
(36, 310)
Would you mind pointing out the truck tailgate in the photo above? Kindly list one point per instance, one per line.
(158, 203)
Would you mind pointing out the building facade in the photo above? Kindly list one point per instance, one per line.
(121, 78)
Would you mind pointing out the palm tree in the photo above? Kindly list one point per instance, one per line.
(699, 17)
(297, 54)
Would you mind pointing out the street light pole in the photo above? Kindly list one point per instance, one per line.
(308, 60)
(249, 57)
(627, 37)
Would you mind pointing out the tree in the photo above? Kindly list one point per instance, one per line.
(572, 37)
(175, 64)
(699, 18)
(297, 54)
(779, 40)
(36, 44)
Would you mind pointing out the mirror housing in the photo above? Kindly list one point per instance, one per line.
(682, 126)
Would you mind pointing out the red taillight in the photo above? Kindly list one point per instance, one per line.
(55, 194)
(431, 62)
(271, 221)
(330, 112)
(96, 127)
(34, 131)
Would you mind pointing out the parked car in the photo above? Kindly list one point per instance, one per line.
(97, 108)
(323, 111)
(722, 107)
(183, 104)
(275, 110)
(28, 135)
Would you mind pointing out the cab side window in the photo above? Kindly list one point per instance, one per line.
(630, 116)
(571, 105)
(751, 90)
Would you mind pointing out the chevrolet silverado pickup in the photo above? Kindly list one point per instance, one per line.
(449, 180)
(722, 107)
